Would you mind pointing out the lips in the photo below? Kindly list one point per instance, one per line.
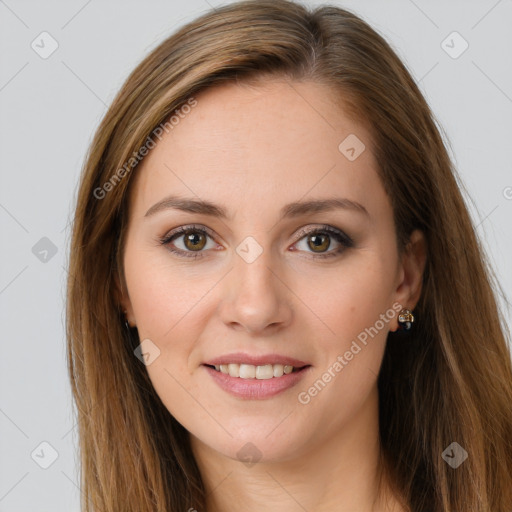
(256, 389)
(236, 375)
(262, 360)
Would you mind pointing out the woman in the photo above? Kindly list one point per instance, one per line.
(276, 294)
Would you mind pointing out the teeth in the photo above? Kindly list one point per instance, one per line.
(249, 371)
(278, 370)
(234, 370)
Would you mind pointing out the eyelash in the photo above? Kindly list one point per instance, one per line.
(338, 235)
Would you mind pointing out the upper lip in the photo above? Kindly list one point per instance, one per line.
(242, 358)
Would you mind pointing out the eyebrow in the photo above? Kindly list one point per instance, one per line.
(295, 209)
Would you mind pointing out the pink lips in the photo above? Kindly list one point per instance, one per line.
(241, 358)
(256, 389)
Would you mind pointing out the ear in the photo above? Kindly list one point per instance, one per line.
(410, 275)
(123, 299)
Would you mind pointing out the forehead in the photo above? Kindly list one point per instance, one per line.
(273, 142)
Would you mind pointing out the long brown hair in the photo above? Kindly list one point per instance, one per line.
(449, 381)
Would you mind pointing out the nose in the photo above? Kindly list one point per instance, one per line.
(256, 297)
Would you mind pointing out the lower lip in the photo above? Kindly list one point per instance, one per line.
(256, 389)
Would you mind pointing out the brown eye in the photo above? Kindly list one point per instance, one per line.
(189, 241)
(319, 243)
(194, 240)
(316, 242)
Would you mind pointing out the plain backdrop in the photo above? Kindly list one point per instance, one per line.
(50, 106)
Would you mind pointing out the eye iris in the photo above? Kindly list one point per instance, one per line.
(192, 237)
(317, 244)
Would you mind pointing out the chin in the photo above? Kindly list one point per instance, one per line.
(255, 445)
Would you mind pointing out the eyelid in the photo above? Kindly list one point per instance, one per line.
(322, 228)
(341, 237)
(344, 240)
(181, 230)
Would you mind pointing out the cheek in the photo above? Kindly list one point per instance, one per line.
(171, 308)
(351, 297)
(168, 310)
(355, 308)
(160, 296)
(351, 352)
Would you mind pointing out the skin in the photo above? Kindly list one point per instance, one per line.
(254, 149)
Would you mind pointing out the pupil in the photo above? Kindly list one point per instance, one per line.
(316, 240)
(194, 240)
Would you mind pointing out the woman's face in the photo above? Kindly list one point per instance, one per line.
(270, 281)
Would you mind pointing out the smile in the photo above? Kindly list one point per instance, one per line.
(249, 371)
(256, 382)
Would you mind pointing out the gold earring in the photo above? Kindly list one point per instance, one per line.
(405, 320)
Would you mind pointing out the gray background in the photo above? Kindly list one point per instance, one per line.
(50, 108)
